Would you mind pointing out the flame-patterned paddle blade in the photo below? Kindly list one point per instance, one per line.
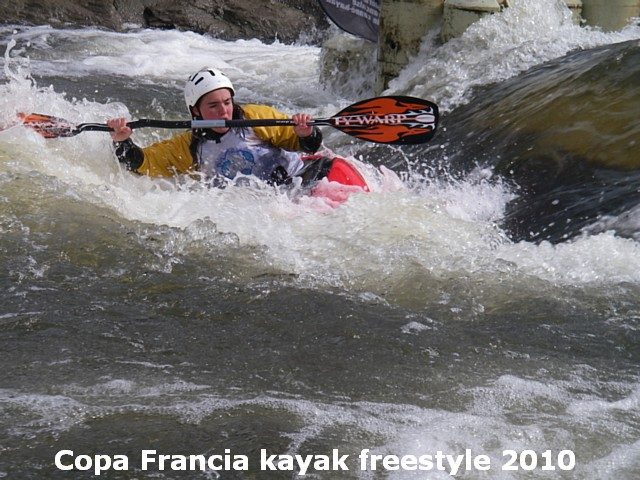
(47, 126)
(397, 120)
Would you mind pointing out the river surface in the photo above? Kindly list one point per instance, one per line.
(481, 301)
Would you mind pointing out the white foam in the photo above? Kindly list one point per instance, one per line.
(287, 74)
(599, 259)
(415, 327)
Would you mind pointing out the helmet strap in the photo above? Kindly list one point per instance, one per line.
(195, 113)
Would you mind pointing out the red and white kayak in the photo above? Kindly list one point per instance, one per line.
(332, 178)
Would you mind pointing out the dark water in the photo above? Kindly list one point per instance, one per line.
(566, 135)
(139, 315)
(106, 355)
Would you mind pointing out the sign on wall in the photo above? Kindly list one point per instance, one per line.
(358, 17)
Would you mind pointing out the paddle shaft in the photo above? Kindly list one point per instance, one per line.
(191, 124)
(261, 122)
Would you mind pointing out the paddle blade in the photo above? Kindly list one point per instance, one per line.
(396, 120)
(47, 126)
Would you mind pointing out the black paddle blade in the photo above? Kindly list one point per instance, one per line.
(48, 126)
(394, 120)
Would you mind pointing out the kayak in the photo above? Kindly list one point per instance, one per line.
(332, 178)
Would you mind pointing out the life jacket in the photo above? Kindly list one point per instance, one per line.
(241, 152)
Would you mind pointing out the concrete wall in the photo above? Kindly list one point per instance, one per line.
(403, 23)
(610, 15)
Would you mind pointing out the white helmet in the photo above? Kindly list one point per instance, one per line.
(203, 82)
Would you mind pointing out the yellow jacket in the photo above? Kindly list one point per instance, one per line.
(173, 156)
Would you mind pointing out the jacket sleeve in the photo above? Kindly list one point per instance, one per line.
(284, 137)
(167, 158)
(129, 154)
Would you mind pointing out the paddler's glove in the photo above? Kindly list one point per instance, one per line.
(312, 143)
(129, 154)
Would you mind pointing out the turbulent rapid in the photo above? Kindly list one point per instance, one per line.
(482, 296)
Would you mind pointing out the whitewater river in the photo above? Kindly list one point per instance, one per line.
(482, 302)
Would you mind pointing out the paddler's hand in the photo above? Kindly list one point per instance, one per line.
(301, 124)
(120, 130)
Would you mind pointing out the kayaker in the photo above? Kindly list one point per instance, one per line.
(269, 153)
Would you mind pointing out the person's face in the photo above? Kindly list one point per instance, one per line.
(216, 105)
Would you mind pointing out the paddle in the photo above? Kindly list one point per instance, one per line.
(397, 120)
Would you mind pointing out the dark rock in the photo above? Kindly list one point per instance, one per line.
(267, 20)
